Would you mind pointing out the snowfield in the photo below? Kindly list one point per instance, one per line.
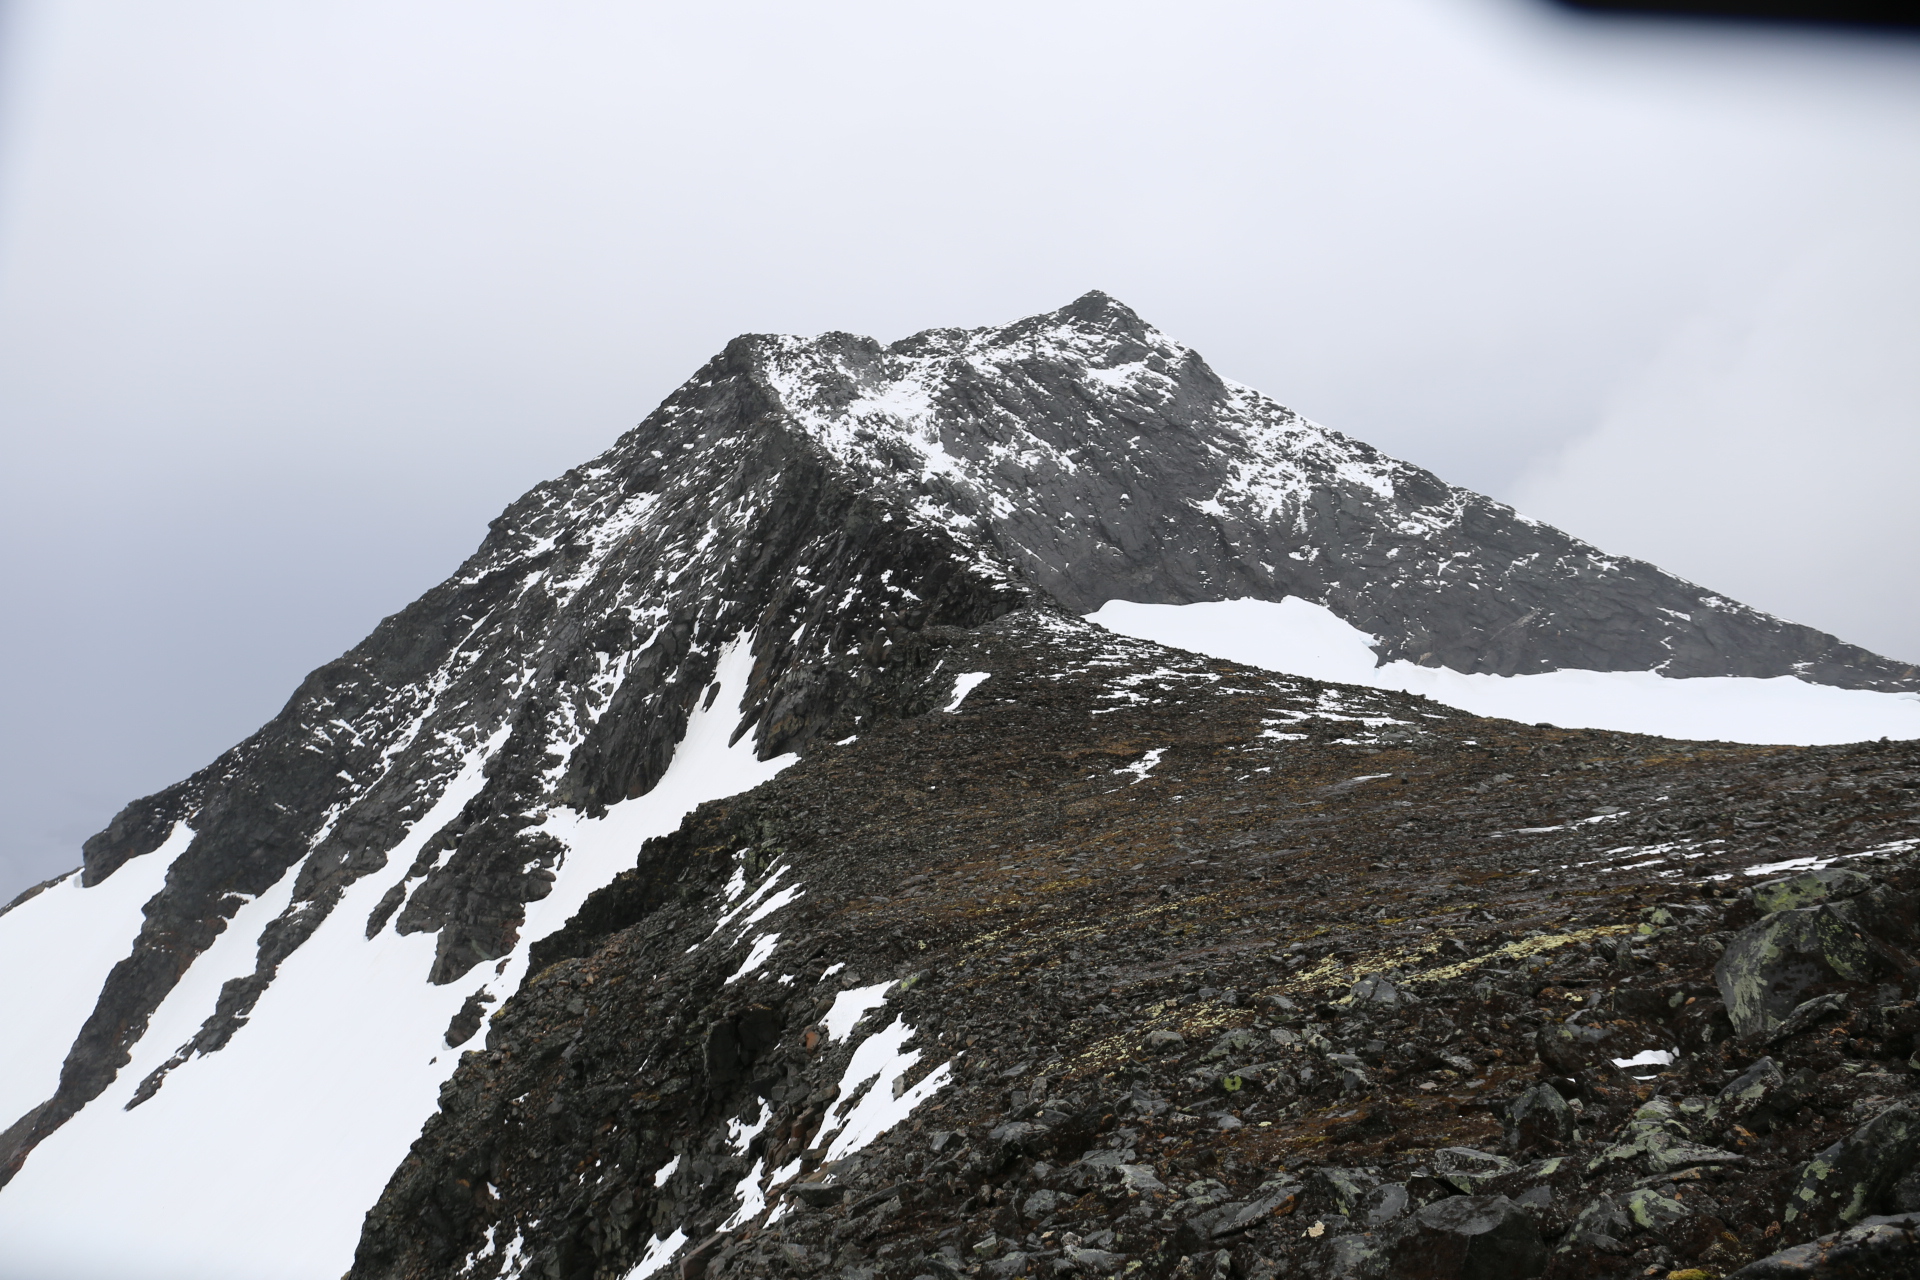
(1298, 637)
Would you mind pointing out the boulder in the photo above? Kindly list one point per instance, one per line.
(1466, 1238)
(1570, 1048)
(1539, 1118)
(1334, 1190)
(1772, 966)
(1874, 1249)
(1810, 1013)
(1808, 888)
(1376, 991)
(1384, 1203)
(1856, 1175)
(1468, 1170)
(1656, 1140)
(1747, 1093)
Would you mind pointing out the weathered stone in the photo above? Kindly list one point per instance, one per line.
(818, 1195)
(1571, 1048)
(1602, 1225)
(1385, 1203)
(1807, 888)
(1039, 1204)
(1875, 1249)
(1336, 1190)
(1376, 991)
(1539, 1118)
(1659, 1143)
(1856, 1175)
(1810, 1013)
(1164, 1039)
(1467, 1238)
(1469, 1170)
(1775, 964)
(1648, 1210)
(1747, 1092)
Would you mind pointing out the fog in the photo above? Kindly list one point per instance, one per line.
(295, 297)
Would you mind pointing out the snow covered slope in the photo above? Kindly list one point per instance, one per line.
(276, 1147)
(1305, 639)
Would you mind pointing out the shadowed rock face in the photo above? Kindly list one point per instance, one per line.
(848, 508)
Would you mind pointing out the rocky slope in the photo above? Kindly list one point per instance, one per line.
(1185, 969)
(820, 530)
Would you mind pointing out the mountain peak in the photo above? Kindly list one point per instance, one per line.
(810, 540)
(1099, 311)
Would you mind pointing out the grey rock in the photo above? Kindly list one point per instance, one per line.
(1772, 966)
(1855, 1176)
(1234, 1043)
(1747, 1093)
(1385, 1203)
(1377, 992)
(1658, 1143)
(1648, 1210)
(1469, 1170)
(1538, 1118)
(1468, 1238)
(1039, 1204)
(1337, 1190)
(1602, 1225)
(1810, 1013)
(1878, 1248)
(1808, 888)
(1164, 1039)
(1571, 1048)
(1096, 1261)
(818, 1195)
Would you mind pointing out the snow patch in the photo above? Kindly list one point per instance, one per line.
(851, 1006)
(964, 685)
(339, 1064)
(1143, 766)
(56, 950)
(658, 1255)
(1301, 638)
(879, 1062)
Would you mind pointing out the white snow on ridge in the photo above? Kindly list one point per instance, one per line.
(967, 682)
(56, 950)
(1301, 638)
(276, 1145)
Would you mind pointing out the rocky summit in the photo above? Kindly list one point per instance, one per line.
(751, 862)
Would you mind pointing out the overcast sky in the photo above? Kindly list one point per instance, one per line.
(294, 297)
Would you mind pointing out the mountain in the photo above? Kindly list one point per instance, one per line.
(542, 776)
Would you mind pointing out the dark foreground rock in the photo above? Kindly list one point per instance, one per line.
(1878, 1249)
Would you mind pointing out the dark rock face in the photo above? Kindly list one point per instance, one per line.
(868, 517)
